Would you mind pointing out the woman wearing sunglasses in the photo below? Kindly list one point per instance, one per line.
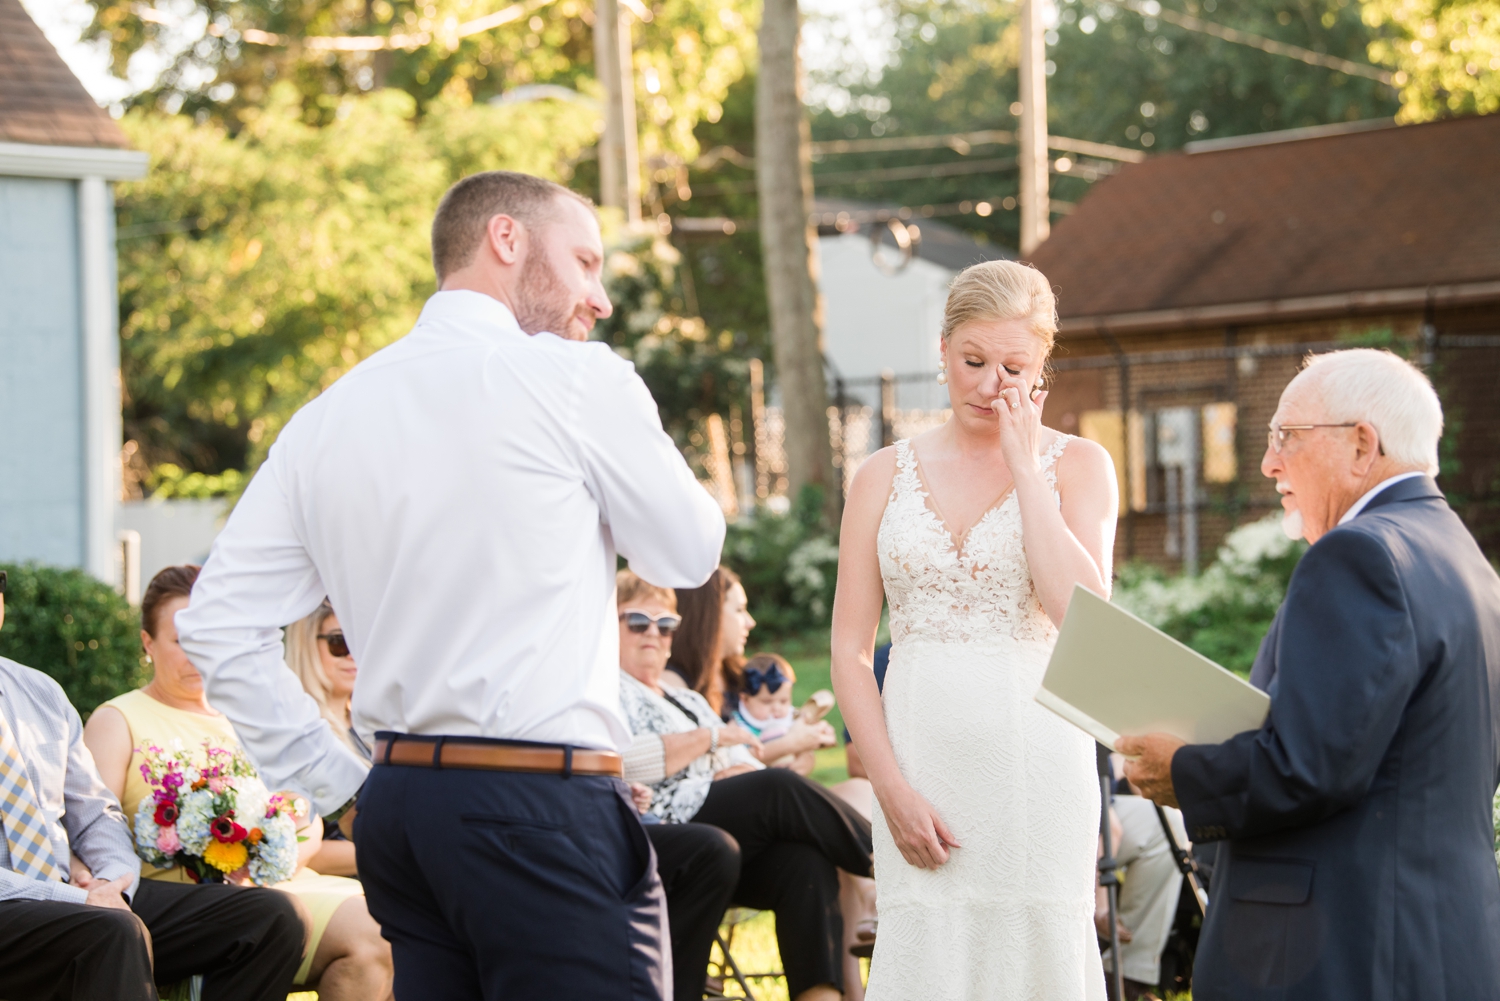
(794, 836)
(319, 656)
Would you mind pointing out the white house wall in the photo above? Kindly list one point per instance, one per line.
(875, 322)
(42, 483)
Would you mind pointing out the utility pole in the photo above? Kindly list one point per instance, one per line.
(619, 157)
(1035, 208)
(789, 247)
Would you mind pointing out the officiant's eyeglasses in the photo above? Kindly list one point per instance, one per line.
(337, 645)
(1279, 433)
(639, 622)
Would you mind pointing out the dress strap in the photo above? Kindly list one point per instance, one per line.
(906, 467)
(1051, 455)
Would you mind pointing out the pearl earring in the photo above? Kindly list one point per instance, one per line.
(942, 377)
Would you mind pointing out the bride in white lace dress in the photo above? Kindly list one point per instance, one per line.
(975, 533)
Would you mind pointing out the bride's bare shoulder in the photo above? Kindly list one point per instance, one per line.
(1082, 462)
(872, 480)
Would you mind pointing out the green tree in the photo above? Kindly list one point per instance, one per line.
(1446, 53)
(1120, 78)
(256, 268)
(687, 55)
(691, 369)
(68, 625)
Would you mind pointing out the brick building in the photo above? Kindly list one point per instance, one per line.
(1191, 285)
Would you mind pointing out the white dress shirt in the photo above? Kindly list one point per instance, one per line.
(1359, 505)
(460, 497)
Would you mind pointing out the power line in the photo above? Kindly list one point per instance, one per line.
(1150, 8)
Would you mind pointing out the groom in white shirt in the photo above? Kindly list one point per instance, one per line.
(460, 497)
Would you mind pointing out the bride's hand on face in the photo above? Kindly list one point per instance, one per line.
(916, 828)
(1019, 418)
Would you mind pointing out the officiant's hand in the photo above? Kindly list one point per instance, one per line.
(916, 828)
(1148, 764)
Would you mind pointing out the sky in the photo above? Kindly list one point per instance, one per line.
(836, 34)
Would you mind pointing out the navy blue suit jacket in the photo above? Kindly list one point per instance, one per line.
(1359, 860)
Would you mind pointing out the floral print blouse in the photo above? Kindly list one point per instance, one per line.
(677, 797)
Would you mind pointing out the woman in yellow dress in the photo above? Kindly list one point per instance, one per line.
(345, 959)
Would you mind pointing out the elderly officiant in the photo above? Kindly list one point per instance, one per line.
(1358, 855)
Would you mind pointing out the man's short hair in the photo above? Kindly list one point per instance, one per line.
(1366, 384)
(466, 210)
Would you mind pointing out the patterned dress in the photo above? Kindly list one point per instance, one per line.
(1010, 915)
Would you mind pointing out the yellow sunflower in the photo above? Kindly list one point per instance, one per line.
(225, 858)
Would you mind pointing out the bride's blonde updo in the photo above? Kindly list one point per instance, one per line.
(1002, 290)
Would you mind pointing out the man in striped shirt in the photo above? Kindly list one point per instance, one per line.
(76, 920)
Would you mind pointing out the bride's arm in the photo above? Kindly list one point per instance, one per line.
(1074, 544)
(915, 826)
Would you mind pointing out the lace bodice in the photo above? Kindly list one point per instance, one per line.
(950, 591)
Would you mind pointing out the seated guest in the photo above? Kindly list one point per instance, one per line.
(764, 707)
(345, 956)
(318, 655)
(709, 656)
(794, 836)
(77, 923)
(715, 624)
(699, 866)
(1150, 883)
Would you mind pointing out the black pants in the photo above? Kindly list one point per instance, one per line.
(509, 886)
(246, 941)
(699, 867)
(794, 835)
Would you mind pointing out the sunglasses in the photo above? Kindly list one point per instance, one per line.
(639, 622)
(337, 645)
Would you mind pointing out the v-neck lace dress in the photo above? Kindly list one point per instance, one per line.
(1010, 915)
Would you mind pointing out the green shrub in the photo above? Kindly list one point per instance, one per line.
(74, 628)
(1223, 612)
(789, 564)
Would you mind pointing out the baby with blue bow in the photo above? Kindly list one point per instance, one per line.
(765, 704)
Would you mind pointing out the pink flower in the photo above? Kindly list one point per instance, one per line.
(218, 785)
(168, 842)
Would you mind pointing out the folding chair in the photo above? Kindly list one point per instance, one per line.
(729, 968)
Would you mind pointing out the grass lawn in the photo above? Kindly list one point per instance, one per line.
(808, 656)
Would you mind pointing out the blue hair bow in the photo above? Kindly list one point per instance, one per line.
(772, 679)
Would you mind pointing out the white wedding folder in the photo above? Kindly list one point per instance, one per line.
(1112, 674)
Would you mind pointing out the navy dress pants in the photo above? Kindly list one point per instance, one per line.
(508, 886)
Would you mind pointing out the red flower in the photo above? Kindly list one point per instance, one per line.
(166, 814)
(226, 831)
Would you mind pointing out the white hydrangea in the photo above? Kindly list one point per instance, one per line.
(146, 833)
(274, 860)
(1234, 573)
(195, 811)
(807, 570)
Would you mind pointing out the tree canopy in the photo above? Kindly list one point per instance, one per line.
(255, 268)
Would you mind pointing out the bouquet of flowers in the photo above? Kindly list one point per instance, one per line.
(214, 817)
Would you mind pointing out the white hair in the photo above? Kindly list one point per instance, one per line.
(1366, 384)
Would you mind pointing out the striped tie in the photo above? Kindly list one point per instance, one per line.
(25, 831)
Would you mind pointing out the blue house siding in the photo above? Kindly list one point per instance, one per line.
(41, 392)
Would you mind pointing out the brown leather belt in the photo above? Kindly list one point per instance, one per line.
(455, 752)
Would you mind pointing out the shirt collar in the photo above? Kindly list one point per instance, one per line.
(467, 305)
(1359, 505)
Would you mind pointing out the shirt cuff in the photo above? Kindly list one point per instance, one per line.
(115, 870)
(645, 760)
(66, 893)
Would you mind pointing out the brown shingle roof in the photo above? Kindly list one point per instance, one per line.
(1393, 208)
(41, 101)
